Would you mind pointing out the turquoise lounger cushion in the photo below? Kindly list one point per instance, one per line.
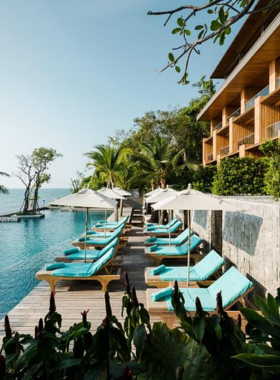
(232, 284)
(54, 266)
(93, 254)
(181, 250)
(151, 239)
(81, 239)
(158, 269)
(200, 272)
(173, 241)
(84, 269)
(70, 251)
(163, 293)
(104, 241)
(153, 248)
(165, 230)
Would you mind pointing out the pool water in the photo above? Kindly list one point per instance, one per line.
(25, 247)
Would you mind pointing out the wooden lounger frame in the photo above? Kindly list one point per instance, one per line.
(104, 276)
(159, 308)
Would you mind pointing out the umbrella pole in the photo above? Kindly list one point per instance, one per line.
(169, 228)
(86, 235)
(105, 223)
(189, 246)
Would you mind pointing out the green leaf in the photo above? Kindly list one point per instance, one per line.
(198, 27)
(180, 21)
(271, 362)
(176, 30)
(222, 15)
(139, 337)
(187, 32)
(171, 57)
(210, 11)
(68, 363)
(177, 68)
(215, 25)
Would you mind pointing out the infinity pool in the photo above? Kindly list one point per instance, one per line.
(26, 246)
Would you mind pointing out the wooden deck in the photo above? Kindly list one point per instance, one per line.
(74, 297)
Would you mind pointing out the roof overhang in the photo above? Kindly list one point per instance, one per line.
(247, 72)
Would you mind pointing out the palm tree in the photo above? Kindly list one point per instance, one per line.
(3, 189)
(107, 160)
(156, 160)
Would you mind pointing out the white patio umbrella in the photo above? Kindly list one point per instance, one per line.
(86, 199)
(193, 201)
(153, 192)
(122, 192)
(162, 196)
(113, 195)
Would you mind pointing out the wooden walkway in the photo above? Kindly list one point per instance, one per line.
(74, 297)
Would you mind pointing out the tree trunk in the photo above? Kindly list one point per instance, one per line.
(35, 200)
(163, 183)
(26, 199)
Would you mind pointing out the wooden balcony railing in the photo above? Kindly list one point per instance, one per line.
(224, 151)
(248, 140)
(272, 130)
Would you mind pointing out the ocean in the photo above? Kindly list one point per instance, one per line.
(12, 202)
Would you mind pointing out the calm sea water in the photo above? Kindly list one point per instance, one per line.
(26, 246)
(12, 202)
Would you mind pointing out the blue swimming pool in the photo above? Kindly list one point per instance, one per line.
(26, 246)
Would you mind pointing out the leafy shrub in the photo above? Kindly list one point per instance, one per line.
(204, 347)
(236, 176)
(271, 149)
(203, 178)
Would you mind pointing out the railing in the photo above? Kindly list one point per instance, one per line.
(248, 140)
(263, 92)
(278, 82)
(218, 127)
(224, 151)
(234, 114)
(272, 130)
(210, 157)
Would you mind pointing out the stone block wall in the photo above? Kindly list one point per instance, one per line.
(249, 238)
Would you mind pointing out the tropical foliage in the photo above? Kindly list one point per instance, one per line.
(3, 189)
(272, 175)
(32, 171)
(218, 18)
(203, 347)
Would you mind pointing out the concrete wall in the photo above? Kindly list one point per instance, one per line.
(249, 239)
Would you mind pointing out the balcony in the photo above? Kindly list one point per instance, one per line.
(248, 140)
(251, 102)
(224, 151)
(234, 114)
(272, 130)
(210, 157)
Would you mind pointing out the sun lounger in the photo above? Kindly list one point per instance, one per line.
(162, 276)
(100, 270)
(178, 240)
(165, 231)
(158, 253)
(91, 255)
(97, 243)
(111, 226)
(153, 226)
(233, 285)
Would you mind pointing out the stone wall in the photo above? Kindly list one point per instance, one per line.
(249, 238)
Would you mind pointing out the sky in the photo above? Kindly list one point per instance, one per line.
(73, 72)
